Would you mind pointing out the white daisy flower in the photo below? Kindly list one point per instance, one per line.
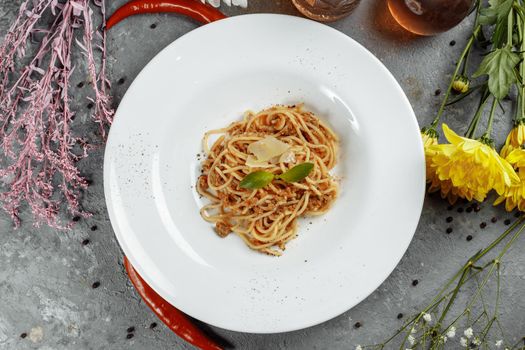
(444, 338)
(413, 330)
(427, 317)
(476, 341)
(468, 332)
(451, 333)
(463, 342)
(499, 343)
(411, 339)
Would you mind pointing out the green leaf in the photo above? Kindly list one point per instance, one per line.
(297, 173)
(257, 179)
(499, 66)
(497, 11)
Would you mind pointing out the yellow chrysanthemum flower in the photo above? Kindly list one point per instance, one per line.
(515, 139)
(472, 167)
(447, 190)
(429, 137)
(514, 195)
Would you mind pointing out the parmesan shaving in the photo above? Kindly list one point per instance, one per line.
(252, 162)
(287, 157)
(267, 148)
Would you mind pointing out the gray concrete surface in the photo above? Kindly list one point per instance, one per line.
(46, 276)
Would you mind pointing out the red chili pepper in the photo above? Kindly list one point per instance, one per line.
(192, 8)
(177, 321)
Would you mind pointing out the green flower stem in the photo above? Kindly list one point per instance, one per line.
(498, 296)
(467, 267)
(521, 87)
(498, 240)
(462, 60)
(464, 70)
(479, 112)
(510, 27)
(491, 118)
(454, 75)
(496, 261)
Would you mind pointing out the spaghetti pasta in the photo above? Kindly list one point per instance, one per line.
(266, 218)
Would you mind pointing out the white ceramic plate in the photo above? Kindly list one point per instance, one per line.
(207, 79)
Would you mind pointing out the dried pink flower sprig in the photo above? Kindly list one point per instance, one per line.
(39, 152)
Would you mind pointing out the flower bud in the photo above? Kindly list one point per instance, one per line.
(461, 84)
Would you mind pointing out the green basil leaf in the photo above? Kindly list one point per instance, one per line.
(297, 173)
(499, 66)
(257, 179)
